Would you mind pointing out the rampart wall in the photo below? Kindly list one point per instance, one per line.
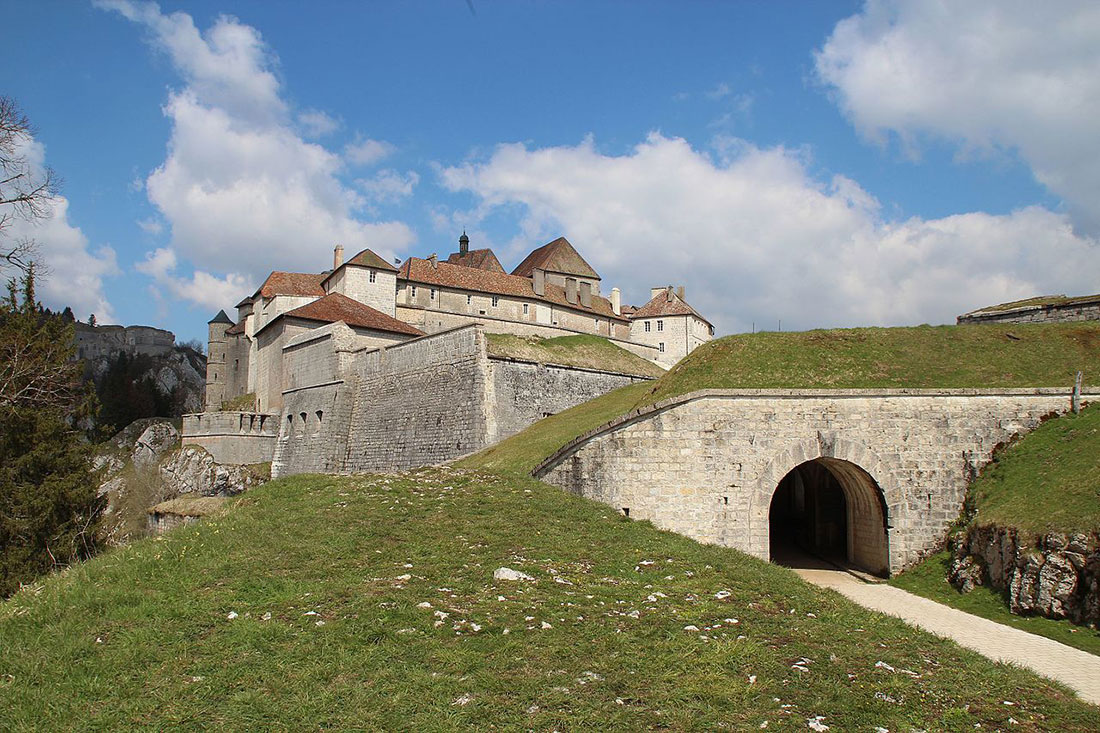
(232, 437)
(1077, 309)
(706, 465)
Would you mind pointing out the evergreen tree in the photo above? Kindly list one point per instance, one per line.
(49, 506)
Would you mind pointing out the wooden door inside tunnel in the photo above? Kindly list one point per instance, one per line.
(829, 510)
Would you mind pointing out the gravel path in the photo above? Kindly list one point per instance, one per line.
(1072, 667)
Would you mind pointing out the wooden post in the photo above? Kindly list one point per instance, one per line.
(1075, 401)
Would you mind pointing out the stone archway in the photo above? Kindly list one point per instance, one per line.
(831, 509)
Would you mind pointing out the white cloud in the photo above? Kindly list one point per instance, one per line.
(367, 152)
(201, 287)
(73, 275)
(151, 225)
(241, 190)
(317, 123)
(389, 185)
(756, 239)
(1016, 75)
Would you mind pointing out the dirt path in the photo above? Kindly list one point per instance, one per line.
(1072, 667)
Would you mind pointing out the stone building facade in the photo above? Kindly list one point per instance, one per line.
(552, 292)
(95, 341)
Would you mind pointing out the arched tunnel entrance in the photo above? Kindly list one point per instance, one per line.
(831, 510)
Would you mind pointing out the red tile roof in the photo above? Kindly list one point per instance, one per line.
(666, 303)
(235, 330)
(479, 259)
(369, 258)
(447, 275)
(292, 283)
(557, 256)
(336, 307)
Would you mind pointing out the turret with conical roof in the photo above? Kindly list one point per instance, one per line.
(215, 359)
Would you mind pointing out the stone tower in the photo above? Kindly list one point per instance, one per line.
(216, 376)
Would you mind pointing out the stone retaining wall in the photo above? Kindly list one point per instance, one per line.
(707, 464)
(1078, 309)
(232, 437)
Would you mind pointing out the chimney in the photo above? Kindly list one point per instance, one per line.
(571, 290)
(463, 244)
(433, 260)
(680, 292)
(539, 281)
(654, 292)
(616, 302)
(586, 294)
(337, 256)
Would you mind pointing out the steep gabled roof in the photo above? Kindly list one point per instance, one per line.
(291, 283)
(235, 330)
(336, 307)
(420, 271)
(557, 256)
(479, 259)
(247, 301)
(666, 303)
(370, 258)
(221, 318)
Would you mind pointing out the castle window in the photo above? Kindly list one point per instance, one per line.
(647, 325)
(320, 415)
(414, 291)
(469, 300)
(373, 275)
(302, 430)
(597, 324)
(289, 426)
(431, 294)
(496, 301)
(526, 309)
(660, 325)
(661, 347)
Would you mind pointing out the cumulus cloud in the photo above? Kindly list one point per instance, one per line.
(1014, 75)
(240, 189)
(758, 240)
(367, 152)
(199, 287)
(317, 123)
(73, 273)
(389, 185)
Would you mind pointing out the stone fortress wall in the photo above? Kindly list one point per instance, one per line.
(416, 403)
(232, 437)
(95, 341)
(1059, 310)
(707, 464)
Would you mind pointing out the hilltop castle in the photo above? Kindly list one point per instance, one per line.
(552, 292)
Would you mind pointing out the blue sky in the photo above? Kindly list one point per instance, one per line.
(823, 164)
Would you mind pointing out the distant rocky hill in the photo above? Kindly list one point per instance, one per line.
(139, 372)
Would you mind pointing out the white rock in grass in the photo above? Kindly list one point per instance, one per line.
(816, 723)
(546, 625)
(425, 604)
(722, 595)
(232, 615)
(691, 627)
(463, 699)
(509, 574)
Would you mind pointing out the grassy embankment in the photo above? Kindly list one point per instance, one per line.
(587, 352)
(369, 603)
(922, 356)
(1048, 481)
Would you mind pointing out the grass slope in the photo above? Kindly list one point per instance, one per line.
(922, 356)
(1055, 467)
(369, 603)
(587, 352)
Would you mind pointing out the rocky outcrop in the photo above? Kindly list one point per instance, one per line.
(191, 470)
(1057, 576)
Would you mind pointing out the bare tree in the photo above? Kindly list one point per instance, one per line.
(25, 192)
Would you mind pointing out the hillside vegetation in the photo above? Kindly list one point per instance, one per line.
(587, 352)
(369, 603)
(917, 357)
(1055, 467)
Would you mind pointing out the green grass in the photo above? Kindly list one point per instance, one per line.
(1056, 467)
(922, 356)
(929, 579)
(1046, 355)
(588, 352)
(336, 585)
